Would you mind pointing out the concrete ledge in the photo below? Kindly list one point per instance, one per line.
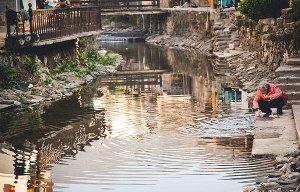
(296, 112)
(275, 135)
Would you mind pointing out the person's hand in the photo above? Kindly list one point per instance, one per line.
(267, 98)
(258, 113)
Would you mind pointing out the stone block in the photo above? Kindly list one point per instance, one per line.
(280, 22)
(285, 11)
(268, 21)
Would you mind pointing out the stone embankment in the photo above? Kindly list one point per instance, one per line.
(286, 176)
(62, 85)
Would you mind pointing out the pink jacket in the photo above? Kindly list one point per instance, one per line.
(274, 93)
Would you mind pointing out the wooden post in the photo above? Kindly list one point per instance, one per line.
(30, 20)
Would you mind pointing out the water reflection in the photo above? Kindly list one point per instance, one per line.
(164, 122)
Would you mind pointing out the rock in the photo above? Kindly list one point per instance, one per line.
(26, 101)
(17, 104)
(185, 5)
(89, 78)
(30, 86)
(35, 101)
(8, 102)
(293, 175)
(249, 189)
(271, 185)
(292, 159)
(285, 11)
(274, 175)
(281, 182)
(231, 46)
(268, 21)
(284, 168)
(48, 99)
(281, 160)
(102, 52)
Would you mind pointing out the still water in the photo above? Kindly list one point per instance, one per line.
(163, 123)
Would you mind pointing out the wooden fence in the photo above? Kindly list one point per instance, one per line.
(83, 16)
(55, 23)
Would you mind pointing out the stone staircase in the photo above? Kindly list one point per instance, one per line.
(289, 79)
(225, 31)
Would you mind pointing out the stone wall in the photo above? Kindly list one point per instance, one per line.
(188, 24)
(273, 39)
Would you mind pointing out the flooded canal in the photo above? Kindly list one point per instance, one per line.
(163, 123)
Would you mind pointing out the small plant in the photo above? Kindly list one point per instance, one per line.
(82, 58)
(48, 81)
(34, 91)
(107, 60)
(112, 18)
(7, 76)
(31, 66)
(93, 56)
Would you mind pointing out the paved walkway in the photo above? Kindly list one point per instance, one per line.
(277, 135)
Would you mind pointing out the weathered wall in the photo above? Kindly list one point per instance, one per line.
(189, 24)
(273, 39)
(49, 55)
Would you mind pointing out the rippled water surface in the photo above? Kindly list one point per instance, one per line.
(181, 129)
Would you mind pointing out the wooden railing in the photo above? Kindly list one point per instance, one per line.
(46, 24)
(55, 23)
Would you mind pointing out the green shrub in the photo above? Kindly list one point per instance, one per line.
(93, 56)
(48, 81)
(112, 18)
(295, 13)
(107, 60)
(261, 9)
(7, 76)
(31, 66)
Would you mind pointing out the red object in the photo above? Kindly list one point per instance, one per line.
(12, 188)
(274, 93)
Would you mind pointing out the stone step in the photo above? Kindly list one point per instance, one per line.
(221, 48)
(293, 102)
(216, 28)
(288, 70)
(223, 38)
(293, 96)
(221, 43)
(290, 87)
(287, 80)
(293, 61)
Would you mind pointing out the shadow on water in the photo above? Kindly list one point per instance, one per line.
(163, 122)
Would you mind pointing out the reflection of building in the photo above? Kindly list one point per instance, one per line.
(28, 168)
